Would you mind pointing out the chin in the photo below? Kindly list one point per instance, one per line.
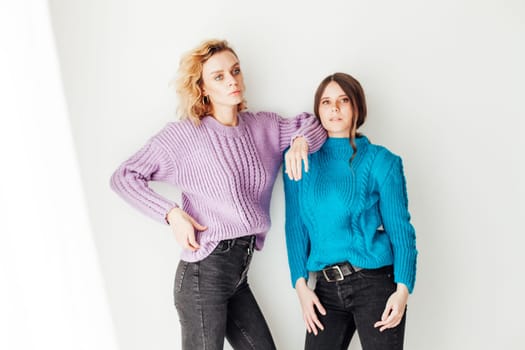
(237, 100)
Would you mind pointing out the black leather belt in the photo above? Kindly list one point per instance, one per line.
(337, 272)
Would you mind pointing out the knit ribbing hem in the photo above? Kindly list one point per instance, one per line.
(404, 270)
(208, 245)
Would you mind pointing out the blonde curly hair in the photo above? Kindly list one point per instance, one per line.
(188, 83)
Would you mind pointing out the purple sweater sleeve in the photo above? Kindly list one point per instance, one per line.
(130, 180)
(306, 125)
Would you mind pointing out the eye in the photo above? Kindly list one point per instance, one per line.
(325, 102)
(218, 77)
(236, 71)
(345, 100)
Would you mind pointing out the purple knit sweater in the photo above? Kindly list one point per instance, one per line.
(226, 174)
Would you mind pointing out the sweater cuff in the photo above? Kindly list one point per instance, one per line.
(405, 270)
(296, 276)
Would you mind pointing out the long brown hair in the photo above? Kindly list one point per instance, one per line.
(352, 88)
(188, 84)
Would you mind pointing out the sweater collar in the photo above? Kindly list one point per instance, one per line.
(342, 143)
(340, 148)
(211, 123)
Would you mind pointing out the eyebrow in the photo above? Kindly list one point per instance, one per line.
(325, 97)
(221, 70)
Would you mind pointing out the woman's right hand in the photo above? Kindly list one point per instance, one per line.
(184, 226)
(308, 300)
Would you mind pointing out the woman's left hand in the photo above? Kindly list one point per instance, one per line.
(294, 158)
(395, 309)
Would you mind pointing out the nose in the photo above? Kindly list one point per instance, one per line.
(335, 108)
(231, 80)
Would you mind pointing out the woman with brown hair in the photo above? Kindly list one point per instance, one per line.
(224, 160)
(347, 224)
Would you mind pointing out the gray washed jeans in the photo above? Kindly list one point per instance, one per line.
(214, 301)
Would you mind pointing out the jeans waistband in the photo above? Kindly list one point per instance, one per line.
(246, 241)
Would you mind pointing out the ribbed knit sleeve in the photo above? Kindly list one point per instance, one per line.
(297, 240)
(304, 124)
(130, 180)
(396, 221)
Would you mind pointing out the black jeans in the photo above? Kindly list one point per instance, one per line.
(356, 303)
(214, 300)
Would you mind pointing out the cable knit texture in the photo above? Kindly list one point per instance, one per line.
(226, 174)
(356, 213)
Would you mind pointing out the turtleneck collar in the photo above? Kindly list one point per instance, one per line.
(339, 148)
(342, 143)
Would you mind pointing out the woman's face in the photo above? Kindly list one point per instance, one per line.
(222, 80)
(335, 110)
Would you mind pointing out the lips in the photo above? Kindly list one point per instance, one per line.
(236, 92)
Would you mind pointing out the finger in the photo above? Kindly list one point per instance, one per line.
(386, 312)
(199, 227)
(297, 164)
(192, 242)
(182, 240)
(392, 319)
(196, 225)
(390, 322)
(190, 246)
(320, 307)
(396, 323)
(186, 245)
(288, 165)
(297, 169)
(305, 159)
(380, 323)
(314, 320)
(307, 324)
(384, 322)
(312, 326)
(289, 168)
(318, 323)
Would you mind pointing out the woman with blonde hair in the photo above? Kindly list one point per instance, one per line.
(224, 160)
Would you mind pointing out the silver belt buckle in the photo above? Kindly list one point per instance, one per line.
(336, 268)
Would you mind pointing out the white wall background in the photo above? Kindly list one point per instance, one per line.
(52, 294)
(444, 81)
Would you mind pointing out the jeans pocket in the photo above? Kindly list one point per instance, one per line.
(222, 247)
(179, 275)
(383, 273)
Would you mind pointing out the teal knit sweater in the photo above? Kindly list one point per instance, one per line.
(357, 213)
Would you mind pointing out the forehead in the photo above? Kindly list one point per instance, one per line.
(223, 60)
(333, 89)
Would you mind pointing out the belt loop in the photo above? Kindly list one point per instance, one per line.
(251, 245)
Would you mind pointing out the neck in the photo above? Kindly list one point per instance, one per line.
(226, 115)
(339, 134)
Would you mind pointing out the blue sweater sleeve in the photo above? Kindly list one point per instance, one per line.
(297, 240)
(396, 221)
